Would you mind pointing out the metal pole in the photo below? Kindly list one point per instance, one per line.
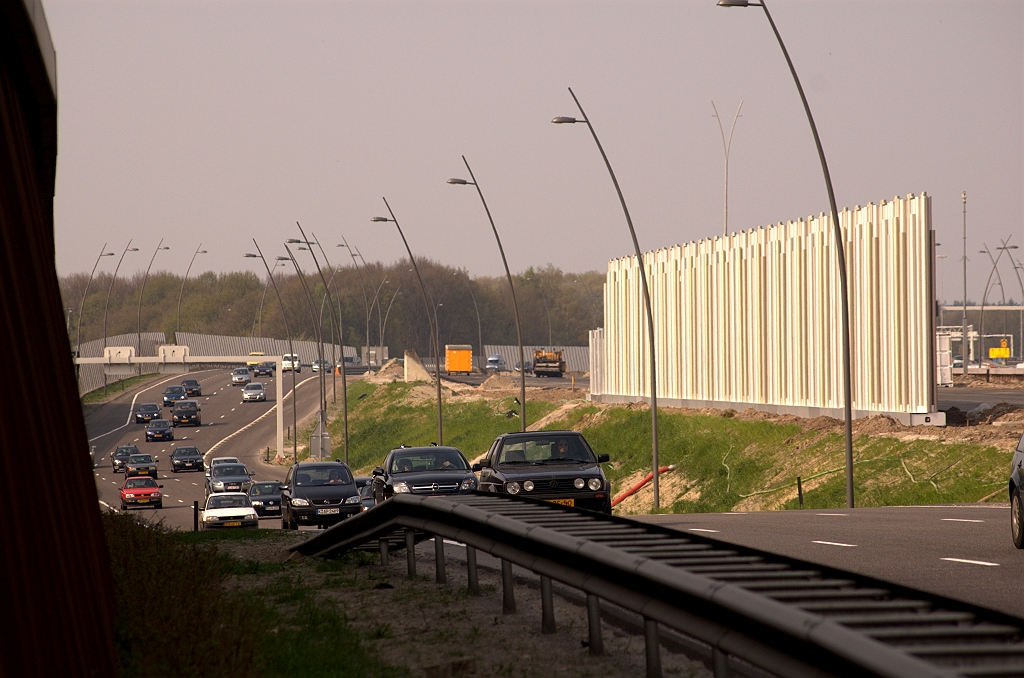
(142, 292)
(594, 622)
(410, 551)
(366, 303)
(547, 607)
(508, 594)
(127, 248)
(964, 339)
(319, 338)
(177, 326)
(472, 576)
(440, 577)
(479, 326)
(653, 646)
(81, 307)
(984, 296)
(726, 146)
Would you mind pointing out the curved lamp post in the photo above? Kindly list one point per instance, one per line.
(81, 307)
(128, 248)
(384, 326)
(840, 251)
(512, 288)
(726, 146)
(259, 313)
(479, 325)
(562, 120)
(984, 296)
(366, 300)
(287, 331)
(426, 307)
(316, 328)
(177, 326)
(142, 292)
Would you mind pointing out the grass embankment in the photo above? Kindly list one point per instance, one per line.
(116, 387)
(186, 610)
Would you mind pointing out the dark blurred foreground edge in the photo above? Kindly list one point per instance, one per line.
(56, 589)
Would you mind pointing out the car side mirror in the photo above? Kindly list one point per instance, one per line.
(476, 468)
(252, 473)
(484, 463)
(156, 459)
(602, 458)
(159, 485)
(378, 471)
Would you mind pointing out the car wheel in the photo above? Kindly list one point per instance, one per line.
(1017, 519)
(154, 475)
(124, 507)
(284, 523)
(158, 506)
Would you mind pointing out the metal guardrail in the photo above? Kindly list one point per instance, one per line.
(781, 615)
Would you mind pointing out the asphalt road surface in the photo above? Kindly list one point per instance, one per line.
(967, 399)
(961, 552)
(238, 429)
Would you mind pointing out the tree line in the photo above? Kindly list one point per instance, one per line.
(375, 300)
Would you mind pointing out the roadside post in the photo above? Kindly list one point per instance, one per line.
(195, 516)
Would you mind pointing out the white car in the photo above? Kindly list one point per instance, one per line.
(229, 509)
(254, 392)
(495, 363)
(224, 460)
(290, 361)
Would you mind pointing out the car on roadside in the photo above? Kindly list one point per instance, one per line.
(227, 510)
(159, 429)
(430, 470)
(193, 389)
(173, 394)
(186, 413)
(495, 363)
(240, 376)
(266, 369)
(146, 412)
(319, 493)
(318, 365)
(141, 465)
(119, 457)
(555, 466)
(228, 478)
(265, 497)
(254, 393)
(141, 491)
(186, 458)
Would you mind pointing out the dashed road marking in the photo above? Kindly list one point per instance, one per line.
(232, 409)
(831, 514)
(970, 562)
(698, 529)
(180, 501)
(830, 543)
(222, 416)
(961, 520)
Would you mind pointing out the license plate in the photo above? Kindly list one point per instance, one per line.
(327, 511)
(188, 463)
(143, 501)
(233, 523)
(563, 502)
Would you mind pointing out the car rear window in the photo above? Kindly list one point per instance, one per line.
(141, 459)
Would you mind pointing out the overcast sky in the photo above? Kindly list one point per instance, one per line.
(215, 122)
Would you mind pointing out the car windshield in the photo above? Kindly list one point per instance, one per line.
(186, 406)
(141, 459)
(311, 476)
(221, 470)
(136, 483)
(174, 390)
(242, 370)
(149, 407)
(159, 423)
(428, 460)
(185, 452)
(262, 489)
(254, 387)
(553, 449)
(220, 502)
(190, 382)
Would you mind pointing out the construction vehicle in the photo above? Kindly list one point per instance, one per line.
(458, 358)
(548, 363)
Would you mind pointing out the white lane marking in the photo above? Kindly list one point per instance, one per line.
(101, 478)
(831, 514)
(961, 520)
(112, 482)
(136, 440)
(735, 513)
(180, 501)
(254, 421)
(698, 529)
(830, 543)
(177, 480)
(107, 505)
(232, 409)
(970, 562)
(131, 408)
(195, 485)
(222, 416)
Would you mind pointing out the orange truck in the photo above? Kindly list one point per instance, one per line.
(548, 363)
(458, 358)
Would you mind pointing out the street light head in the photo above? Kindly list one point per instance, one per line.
(201, 252)
(250, 255)
(379, 219)
(564, 120)
(458, 182)
(163, 248)
(292, 241)
(282, 259)
(304, 248)
(733, 3)
(132, 249)
(340, 245)
(107, 254)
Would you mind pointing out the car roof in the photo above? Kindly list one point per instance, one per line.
(141, 405)
(186, 448)
(325, 464)
(226, 460)
(427, 448)
(158, 421)
(173, 387)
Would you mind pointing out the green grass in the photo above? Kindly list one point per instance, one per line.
(115, 387)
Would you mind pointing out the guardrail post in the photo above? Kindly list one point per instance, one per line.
(594, 619)
(547, 607)
(653, 642)
(195, 516)
(471, 573)
(439, 574)
(508, 595)
(410, 550)
(721, 663)
(382, 544)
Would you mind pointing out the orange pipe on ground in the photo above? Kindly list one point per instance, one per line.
(639, 486)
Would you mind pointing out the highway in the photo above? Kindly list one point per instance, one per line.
(962, 552)
(538, 382)
(967, 399)
(238, 429)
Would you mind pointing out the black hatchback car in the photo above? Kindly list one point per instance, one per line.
(422, 470)
(173, 394)
(265, 369)
(318, 493)
(186, 413)
(119, 457)
(265, 498)
(159, 429)
(146, 412)
(555, 466)
(192, 387)
(187, 458)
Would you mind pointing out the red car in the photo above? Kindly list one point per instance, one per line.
(141, 491)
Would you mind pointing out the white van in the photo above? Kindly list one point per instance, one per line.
(495, 363)
(290, 361)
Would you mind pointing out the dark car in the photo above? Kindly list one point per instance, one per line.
(186, 458)
(1016, 503)
(119, 457)
(192, 387)
(159, 429)
(147, 412)
(173, 394)
(265, 369)
(186, 413)
(141, 465)
(318, 493)
(228, 478)
(265, 497)
(422, 470)
(141, 492)
(555, 466)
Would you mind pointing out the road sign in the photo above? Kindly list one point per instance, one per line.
(999, 352)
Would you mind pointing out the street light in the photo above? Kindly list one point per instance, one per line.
(142, 292)
(322, 397)
(287, 331)
(177, 326)
(1016, 271)
(426, 307)
(259, 313)
(984, 296)
(81, 308)
(512, 288)
(840, 250)
(128, 248)
(563, 120)
(726, 145)
(384, 326)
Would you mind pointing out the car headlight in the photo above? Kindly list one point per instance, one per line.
(129, 496)
(210, 519)
(253, 516)
(299, 501)
(528, 486)
(218, 485)
(468, 484)
(579, 483)
(156, 495)
(512, 487)
(354, 499)
(257, 502)
(594, 484)
(401, 486)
